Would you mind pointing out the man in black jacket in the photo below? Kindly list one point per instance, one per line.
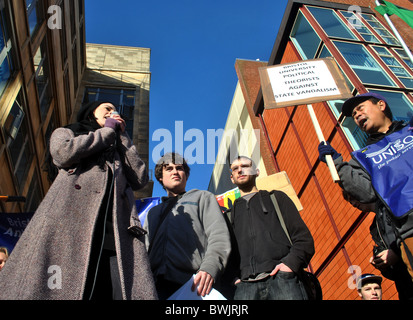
(269, 264)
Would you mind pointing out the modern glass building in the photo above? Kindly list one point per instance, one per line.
(46, 71)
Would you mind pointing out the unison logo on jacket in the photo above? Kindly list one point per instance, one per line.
(391, 151)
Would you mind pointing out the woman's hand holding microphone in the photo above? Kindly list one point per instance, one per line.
(115, 122)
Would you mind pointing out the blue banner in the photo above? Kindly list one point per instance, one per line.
(390, 165)
(12, 226)
(144, 205)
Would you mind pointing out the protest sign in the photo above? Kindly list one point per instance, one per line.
(226, 199)
(304, 82)
(12, 226)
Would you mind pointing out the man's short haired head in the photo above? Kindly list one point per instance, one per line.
(369, 287)
(253, 166)
(351, 103)
(170, 157)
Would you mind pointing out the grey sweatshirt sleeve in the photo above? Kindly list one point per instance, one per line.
(216, 230)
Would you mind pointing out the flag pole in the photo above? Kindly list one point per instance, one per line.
(398, 36)
(329, 158)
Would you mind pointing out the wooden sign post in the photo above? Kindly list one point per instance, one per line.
(303, 83)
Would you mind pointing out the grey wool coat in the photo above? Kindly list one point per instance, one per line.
(50, 261)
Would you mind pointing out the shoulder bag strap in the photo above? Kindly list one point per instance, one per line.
(166, 208)
(280, 217)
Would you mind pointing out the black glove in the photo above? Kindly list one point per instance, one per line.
(325, 149)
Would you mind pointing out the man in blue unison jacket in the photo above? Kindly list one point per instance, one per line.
(372, 114)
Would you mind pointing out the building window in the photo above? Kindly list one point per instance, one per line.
(305, 38)
(62, 32)
(332, 25)
(14, 120)
(75, 66)
(357, 138)
(358, 25)
(363, 64)
(381, 30)
(42, 69)
(6, 62)
(33, 197)
(400, 72)
(18, 144)
(35, 15)
(403, 55)
(122, 99)
(401, 107)
(356, 36)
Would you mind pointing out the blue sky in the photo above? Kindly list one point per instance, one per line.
(194, 45)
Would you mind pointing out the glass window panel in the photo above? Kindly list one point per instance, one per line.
(20, 154)
(408, 82)
(369, 37)
(380, 29)
(14, 120)
(331, 23)
(34, 13)
(33, 197)
(390, 61)
(391, 41)
(305, 38)
(6, 63)
(2, 41)
(41, 65)
(32, 21)
(108, 95)
(4, 74)
(395, 66)
(405, 57)
(366, 68)
(400, 72)
(381, 50)
(360, 27)
(357, 137)
(324, 53)
(400, 106)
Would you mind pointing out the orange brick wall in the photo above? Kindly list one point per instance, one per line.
(328, 216)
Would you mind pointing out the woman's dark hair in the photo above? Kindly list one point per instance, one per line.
(85, 123)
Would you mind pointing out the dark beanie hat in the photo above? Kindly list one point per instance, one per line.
(87, 109)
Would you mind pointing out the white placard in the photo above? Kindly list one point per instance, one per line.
(302, 82)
